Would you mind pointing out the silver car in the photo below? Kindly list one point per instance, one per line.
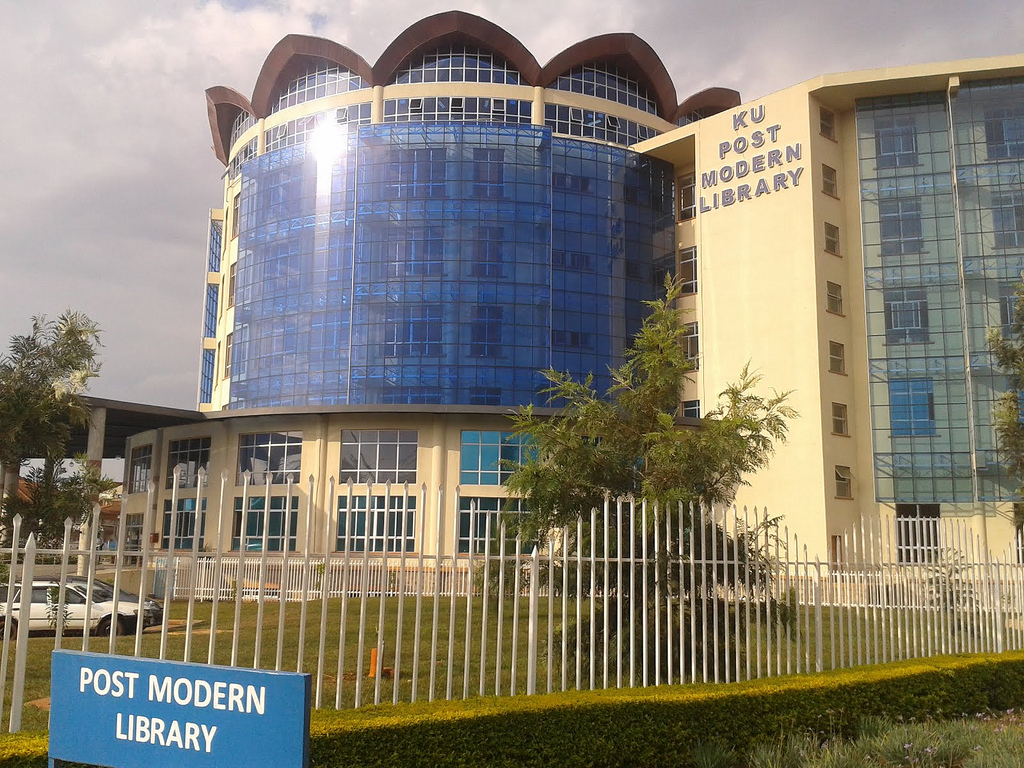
(44, 610)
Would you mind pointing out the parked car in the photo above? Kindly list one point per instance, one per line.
(44, 611)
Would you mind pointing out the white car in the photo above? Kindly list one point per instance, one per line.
(44, 611)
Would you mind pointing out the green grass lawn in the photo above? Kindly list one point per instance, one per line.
(782, 650)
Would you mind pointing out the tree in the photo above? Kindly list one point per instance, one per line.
(42, 379)
(1008, 350)
(631, 442)
(51, 495)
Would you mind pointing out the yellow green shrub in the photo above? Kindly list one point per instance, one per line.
(650, 727)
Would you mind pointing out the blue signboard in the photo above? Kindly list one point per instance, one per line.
(119, 711)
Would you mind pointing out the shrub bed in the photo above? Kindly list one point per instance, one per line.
(640, 727)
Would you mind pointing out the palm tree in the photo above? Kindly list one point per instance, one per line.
(42, 379)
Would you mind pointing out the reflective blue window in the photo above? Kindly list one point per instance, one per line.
(216, 242)
(574, 121)
(911, 407)
(184, 524)
(257, 516)
(387, 523)
(317, 81)
(243, 122)
(434, 261)
(206, 376)
(484, 456)
(456, 64)
(210, 316)
(606, 81)
(480, 521)
(457, 109)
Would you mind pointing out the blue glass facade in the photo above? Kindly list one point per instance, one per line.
(441, 263)
(940, 262)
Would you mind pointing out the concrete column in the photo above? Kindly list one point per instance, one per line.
(320, 484)
(537, 115)
(94, 457)
(377, 107)
(261, 138)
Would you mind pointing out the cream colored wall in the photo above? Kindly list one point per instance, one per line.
(439, 442)
(761, 287)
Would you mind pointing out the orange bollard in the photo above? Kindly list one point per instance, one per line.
(373, 662)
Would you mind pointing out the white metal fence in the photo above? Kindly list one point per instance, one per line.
(633, 595)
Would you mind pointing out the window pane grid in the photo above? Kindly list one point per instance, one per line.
(456, 64)
(378, 456)
(317, 81)
(278, 454)
(391, 524)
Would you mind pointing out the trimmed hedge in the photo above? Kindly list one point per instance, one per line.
(649, 727)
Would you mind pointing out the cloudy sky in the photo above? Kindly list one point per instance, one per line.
(106, 171)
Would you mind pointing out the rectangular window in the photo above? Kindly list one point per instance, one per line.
(844, 482)
(489, 458)
(1008, 219)
(479, 517)
(414, 251)
(906, 316)
(235, 212)
(258, 515)
(834, 297)
(917, 533)
(278, 454)
(385, 524)
(691, 409)
(688, 270)
(687, 196)
(571, 340)
(911, 408)
(232, 275)
(832, 239)
(829, 181)
(1007, 307)
(485, 333)
(488, 256)
(692, 344)
(840, 422)
(412, 330)
(418, 172)
(228, 341)
(377, 456)
(184, 524)
(141, 471)
(1004, 131)
(895, 141)
(836, 357)
(827, 123)
(192, 454)
(900, 227)
(488, 172)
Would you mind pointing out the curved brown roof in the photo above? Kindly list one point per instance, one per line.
(454, 27)
(222, 107)
(708, 102)
(291, 55)
(626, 51)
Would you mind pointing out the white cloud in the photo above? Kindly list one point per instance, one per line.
(107, 167)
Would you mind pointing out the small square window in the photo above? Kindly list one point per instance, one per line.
(829, 181)
(691, 344)
(836, 357)
(840, 420)
(844, 483)
(691, 408)
(834, 297)
(575, 115)
(828, 123)
(832, 239)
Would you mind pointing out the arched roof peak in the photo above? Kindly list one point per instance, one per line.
(626, 51)
(222, 107)
(708, 102)
(449, 27)
(290, 55)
